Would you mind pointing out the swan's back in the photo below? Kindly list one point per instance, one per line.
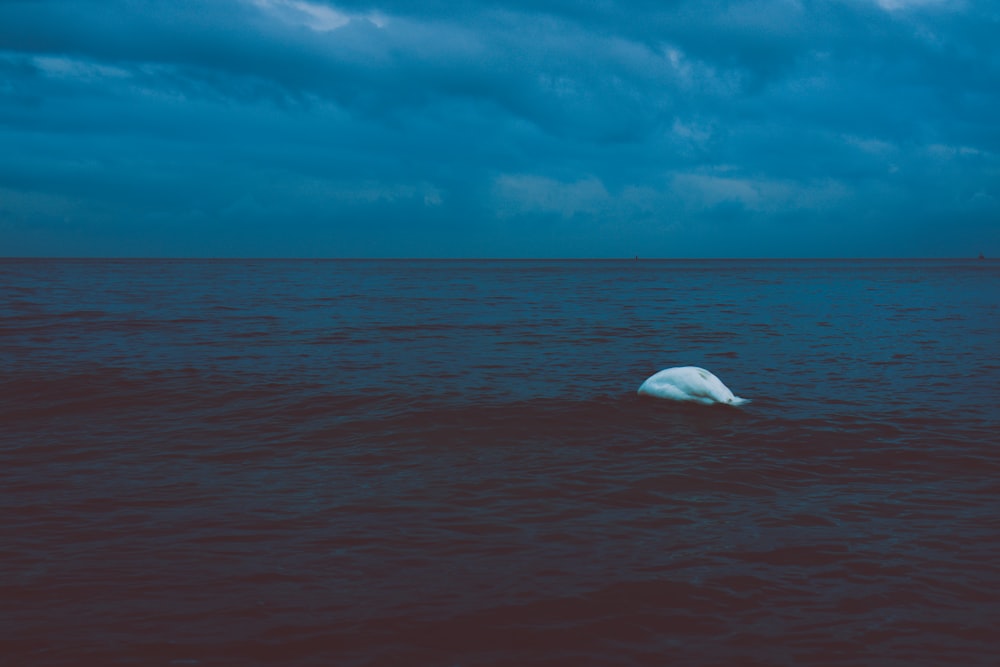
(689, 384)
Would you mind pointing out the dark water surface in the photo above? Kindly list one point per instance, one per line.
(445, 463)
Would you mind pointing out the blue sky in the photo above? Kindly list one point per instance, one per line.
(594, 128)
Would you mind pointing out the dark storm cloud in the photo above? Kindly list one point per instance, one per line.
(775, 127)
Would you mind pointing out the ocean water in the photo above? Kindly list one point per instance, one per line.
(446, 463)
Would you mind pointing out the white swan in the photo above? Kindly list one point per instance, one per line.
(689, 383)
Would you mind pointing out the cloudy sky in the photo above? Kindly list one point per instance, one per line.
(506, 128)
